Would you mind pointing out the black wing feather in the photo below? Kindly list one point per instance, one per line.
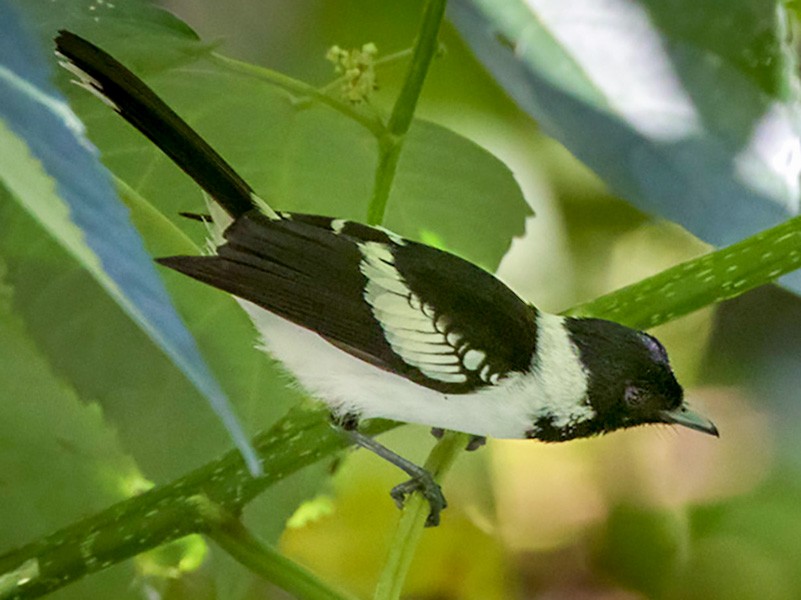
(490, 315)
(305, 271)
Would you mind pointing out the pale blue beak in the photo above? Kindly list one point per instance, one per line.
(687, 418)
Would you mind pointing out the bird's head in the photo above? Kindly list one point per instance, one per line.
(629, 382)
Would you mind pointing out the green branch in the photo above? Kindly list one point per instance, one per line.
(413, 518)
(389, 149)
(410, 526)
(425, 49)
(302, 90)
(708, 279)
(171, 511)
(267, 562)
(391, 142)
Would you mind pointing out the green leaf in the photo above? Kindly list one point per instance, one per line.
(59, 460)
(136, 27)
(53, 171)
(452, 188)
(35, 187)
(687, 109)
(98, 351)
(91, 343)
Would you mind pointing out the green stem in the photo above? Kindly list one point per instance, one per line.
(267, 562)
(391, 142)
(171, 511)
(412, 521)
(413, 518)
(389, 149)
(302, 90)
(702, 281)
(425, 49)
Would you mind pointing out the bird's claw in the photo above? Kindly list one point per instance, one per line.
(475, 442)
(430, 490)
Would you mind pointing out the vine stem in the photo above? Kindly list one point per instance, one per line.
(390, 144)
(191, 504)
(267, 562)
(412, 521)
(302, 90)
(708, 279)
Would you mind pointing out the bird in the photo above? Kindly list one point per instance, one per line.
(376, 325)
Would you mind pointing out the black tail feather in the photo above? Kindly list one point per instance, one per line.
(142, 108)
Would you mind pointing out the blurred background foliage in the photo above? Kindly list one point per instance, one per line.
(648, 513)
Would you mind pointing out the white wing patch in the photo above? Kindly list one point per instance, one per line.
(473, 358)
(412, 328)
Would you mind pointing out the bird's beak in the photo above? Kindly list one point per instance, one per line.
(684, 416)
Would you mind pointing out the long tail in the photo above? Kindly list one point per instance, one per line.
(118, 87)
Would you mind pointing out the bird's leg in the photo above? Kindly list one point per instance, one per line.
(474, 443)
(421, 480)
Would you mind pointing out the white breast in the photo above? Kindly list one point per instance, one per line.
(349, 385)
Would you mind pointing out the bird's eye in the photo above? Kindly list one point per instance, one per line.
(632, 395)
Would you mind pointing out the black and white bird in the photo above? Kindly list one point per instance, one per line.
(376, 325)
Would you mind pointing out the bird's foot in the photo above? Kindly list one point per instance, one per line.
(475, 442)
(424, 483)
(421, 480)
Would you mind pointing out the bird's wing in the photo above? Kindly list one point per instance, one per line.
(408, 308)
